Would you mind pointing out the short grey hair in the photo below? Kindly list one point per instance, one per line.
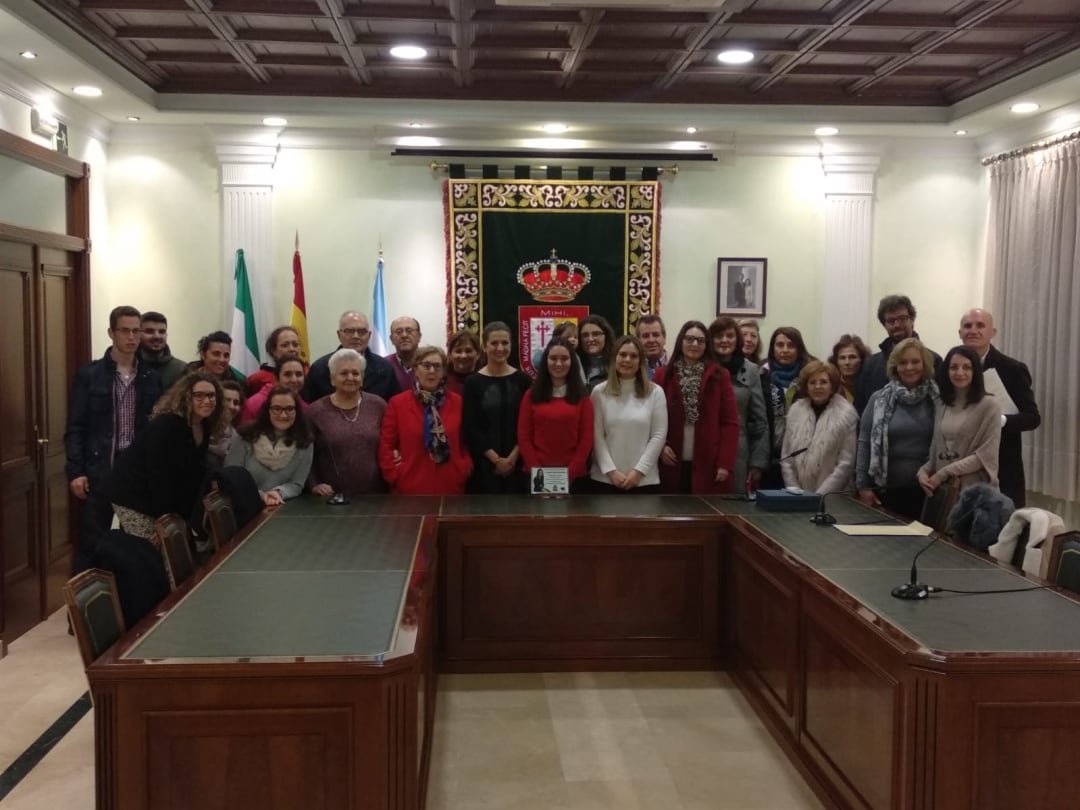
(347, 356)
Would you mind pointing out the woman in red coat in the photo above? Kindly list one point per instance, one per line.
(421, 449)
(703, 418)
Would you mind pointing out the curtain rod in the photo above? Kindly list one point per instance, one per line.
(1027, 150)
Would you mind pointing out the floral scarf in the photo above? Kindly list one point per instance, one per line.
(884, 406)
(690, 385)
(438, 446)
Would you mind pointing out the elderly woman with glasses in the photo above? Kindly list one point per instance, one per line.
(276, 448)
(703, 417)
(162, 471)
(421, 449)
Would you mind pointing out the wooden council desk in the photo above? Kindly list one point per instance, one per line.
(299, 670)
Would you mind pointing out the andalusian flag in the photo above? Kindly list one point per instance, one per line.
(245, 340)
(298, 319)
(380, 333)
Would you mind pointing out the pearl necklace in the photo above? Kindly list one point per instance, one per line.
(342, 411)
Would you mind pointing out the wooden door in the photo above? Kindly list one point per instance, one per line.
(36, 365)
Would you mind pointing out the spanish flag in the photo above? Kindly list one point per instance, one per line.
(298, 319)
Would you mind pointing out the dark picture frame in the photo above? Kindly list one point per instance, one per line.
(741, 287)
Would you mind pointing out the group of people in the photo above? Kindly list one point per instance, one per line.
(621, 414)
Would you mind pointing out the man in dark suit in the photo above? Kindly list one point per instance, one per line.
(976, 332)
(897, 314)
(354, 332)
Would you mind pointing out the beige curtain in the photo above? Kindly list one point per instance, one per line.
(1033, 284)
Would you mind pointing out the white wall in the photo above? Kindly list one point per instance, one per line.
(157, 238)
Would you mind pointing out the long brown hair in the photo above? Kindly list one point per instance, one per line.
(641, 381)
(177, 401)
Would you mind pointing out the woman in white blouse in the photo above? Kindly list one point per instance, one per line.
(630, 425)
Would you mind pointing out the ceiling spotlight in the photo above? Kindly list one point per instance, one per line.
(408, 52)
(960, 132)
(133, 118)
(28, 55)
(826, 132)
(1024, 107)
(416, 125)
(555, 129)
(417, 140)
(87, 90)
(275, 121)
(691, 130)
(735, 57)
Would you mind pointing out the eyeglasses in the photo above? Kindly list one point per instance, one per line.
(125, 330)
(694, 340)
(355, 331)
(430, 366)
(898, 320)
(282, 410)
(592, 335)
(203, 396)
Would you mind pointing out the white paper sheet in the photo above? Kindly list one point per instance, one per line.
(913, 529)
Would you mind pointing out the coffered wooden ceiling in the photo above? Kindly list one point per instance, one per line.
(867, 52)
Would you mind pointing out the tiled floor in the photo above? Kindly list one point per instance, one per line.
(582, 741)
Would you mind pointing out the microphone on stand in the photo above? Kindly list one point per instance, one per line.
(792, 455)
(823, 518)
(338, 498)
(913, 589)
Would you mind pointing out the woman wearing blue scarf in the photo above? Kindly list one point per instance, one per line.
(787, 357)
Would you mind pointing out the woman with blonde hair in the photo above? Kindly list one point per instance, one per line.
(629, 424)
(896, 430)
(822, 423)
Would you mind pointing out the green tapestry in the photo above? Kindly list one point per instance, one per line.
(534, 253)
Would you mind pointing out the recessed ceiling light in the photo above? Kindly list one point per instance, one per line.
(555, 128)
(87, 90)
(275, 121)
(825, 132)
(960, 132)
(416, 125)
(408, 52)
(1024, 107)
(691, 130)
(735, 57)
(133, 118)
(28, 55)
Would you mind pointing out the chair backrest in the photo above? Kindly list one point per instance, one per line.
(95, 612)
(174, 539)
(1063, 567)
(222, 519)
(936, 509)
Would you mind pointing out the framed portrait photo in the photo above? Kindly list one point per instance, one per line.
(740, 287)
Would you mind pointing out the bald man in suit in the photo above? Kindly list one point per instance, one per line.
(976, 332)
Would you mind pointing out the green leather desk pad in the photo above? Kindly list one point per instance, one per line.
(869, 568)
(583, 505)
(373, 505)
(317, 587)
(841, 507)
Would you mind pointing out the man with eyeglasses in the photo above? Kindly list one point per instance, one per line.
(354, 332)
(897, 314)
(111, 401)
(154, 350)
(405, 335)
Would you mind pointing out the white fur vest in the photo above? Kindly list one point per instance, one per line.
(828, 464)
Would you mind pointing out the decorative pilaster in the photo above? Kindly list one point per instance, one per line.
(247, 191)
(849, 225)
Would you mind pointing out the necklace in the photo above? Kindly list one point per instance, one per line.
(342, 411)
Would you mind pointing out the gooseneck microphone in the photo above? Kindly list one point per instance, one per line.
(338, 498)
(798, 452)
(823, 518)
(913, 589)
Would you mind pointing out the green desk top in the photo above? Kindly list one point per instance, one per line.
(326, 586)
(587, 505)
(869, 568)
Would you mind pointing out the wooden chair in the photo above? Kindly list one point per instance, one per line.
(936, 509)
(174, 539)
(222, 519)
(95, 612)
(1061, 555)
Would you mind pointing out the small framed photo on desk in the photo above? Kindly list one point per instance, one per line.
(549, 482)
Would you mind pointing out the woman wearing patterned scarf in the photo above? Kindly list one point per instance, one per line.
(421, 451)
(896, 430)
(703, 417)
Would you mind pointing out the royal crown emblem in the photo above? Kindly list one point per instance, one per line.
(553, 280)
